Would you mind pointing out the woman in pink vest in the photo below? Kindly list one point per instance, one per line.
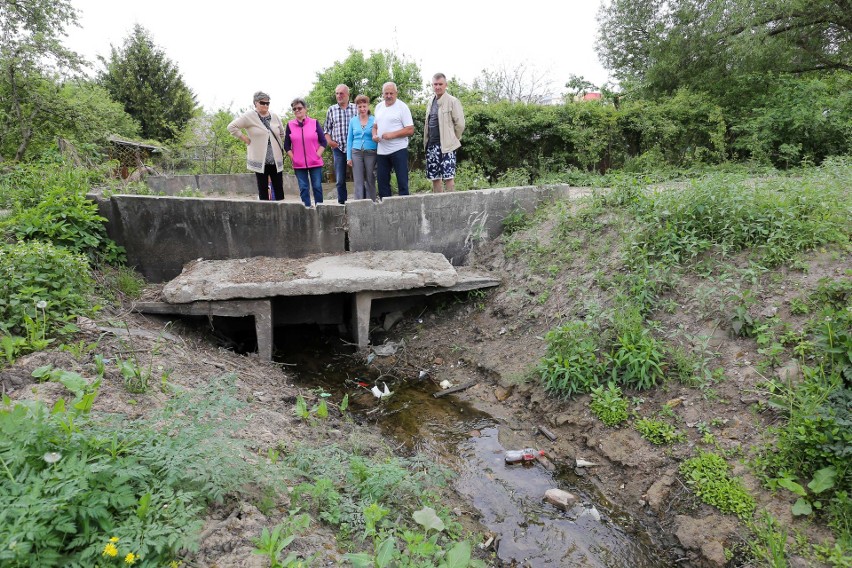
(304, 142)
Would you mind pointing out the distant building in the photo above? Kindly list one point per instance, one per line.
(552, 100)
(591, 97)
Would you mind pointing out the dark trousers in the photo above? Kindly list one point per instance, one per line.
(340, 173)
(398, 162)
(269, 171)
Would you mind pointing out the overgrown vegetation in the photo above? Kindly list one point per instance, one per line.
(391, 505)
(728, 234)
(77, 482)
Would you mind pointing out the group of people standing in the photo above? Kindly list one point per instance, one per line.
(373, 145)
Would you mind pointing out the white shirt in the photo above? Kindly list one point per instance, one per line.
(390, 119)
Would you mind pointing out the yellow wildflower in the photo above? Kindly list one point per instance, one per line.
(114, 539)
(174, 564)
(110, 550)
(130, 558)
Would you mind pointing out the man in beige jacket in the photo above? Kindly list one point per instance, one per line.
(442, 135)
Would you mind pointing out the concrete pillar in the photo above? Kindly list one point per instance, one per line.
(362, 303)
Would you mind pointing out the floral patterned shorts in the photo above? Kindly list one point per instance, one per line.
(438, 165)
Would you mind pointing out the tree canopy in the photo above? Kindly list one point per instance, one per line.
(664, 45)
(32, 64)
(366, 75)
(149, 85)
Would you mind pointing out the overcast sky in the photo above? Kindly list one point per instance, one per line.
(228, 50)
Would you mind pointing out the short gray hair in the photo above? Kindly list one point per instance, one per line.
(298, 101)
(258, 96)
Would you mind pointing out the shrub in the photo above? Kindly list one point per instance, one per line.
(66, 217)
(708, 476)
(33, 272)
(25, 185)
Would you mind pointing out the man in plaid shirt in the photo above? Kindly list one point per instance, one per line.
(336, 130)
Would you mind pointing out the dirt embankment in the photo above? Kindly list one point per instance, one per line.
(499, 338)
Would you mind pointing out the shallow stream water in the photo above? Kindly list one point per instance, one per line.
(508, 499)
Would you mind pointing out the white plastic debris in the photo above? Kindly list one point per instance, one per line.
(445, 384)
(381, 393)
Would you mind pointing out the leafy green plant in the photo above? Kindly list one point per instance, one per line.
(301, 408)
(658, 432)
(39, 274)
(516, 220)
(71, 380)
(770, 543)
(823, 480)
(571, 365)
(637, 359)
(272, 543)
(609, 405)
(707, 475)
(420, 548)
(66, 218)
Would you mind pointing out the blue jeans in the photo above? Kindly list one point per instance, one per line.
(315, 182)
(398, 162)
(340, 173)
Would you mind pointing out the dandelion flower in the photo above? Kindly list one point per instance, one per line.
(114, 539)
(41, 304)
(52, 457)
(110, 550)
(130, 558)
(174, 564)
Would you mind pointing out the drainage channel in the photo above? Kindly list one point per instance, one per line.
(507, 498)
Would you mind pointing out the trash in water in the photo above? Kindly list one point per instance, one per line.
(592, 513)
(579, 462)
(370, 358)
(423, 375)
(445, 384)
(525, 455)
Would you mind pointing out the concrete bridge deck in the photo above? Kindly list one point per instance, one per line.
(250, 287)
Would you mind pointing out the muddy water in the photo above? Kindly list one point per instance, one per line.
(506, 498)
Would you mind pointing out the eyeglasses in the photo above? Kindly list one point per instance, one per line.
(264, 103)
(297, 109)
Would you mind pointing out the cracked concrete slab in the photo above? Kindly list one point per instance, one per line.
(264, 277)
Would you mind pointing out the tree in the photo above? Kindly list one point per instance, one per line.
(213, 149)
(149, 84)
(522, 84)
(578, 86)
(32, 63)
(89, 115)
(664, 45)
(366, 76)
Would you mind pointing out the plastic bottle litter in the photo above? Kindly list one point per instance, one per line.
(525, 455)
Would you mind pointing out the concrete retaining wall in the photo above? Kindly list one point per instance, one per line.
(161, 234)
(448, 223)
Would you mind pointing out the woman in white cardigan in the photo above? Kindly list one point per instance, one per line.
(263, 135)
